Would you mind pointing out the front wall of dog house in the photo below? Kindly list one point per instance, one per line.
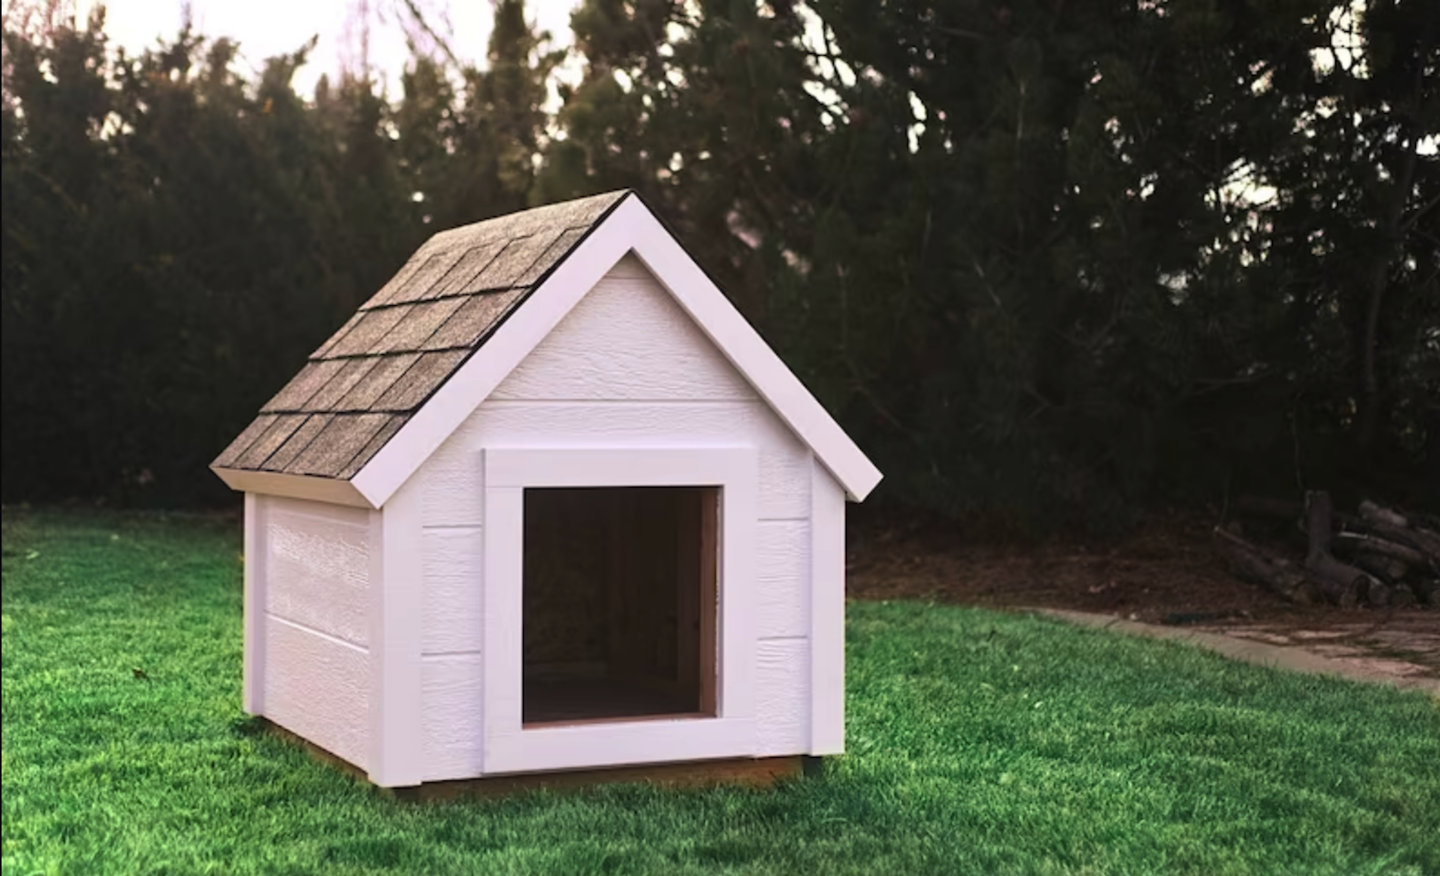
(312, 561)
(625, 368)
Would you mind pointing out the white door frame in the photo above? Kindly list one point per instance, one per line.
(509, 748)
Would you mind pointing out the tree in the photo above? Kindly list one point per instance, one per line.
(1008, 243)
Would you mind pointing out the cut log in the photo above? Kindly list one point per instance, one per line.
(1342, 584)
(1376, 513)
(1358, 543)
(1416, 539)
(1249, 562)
(1387, 569)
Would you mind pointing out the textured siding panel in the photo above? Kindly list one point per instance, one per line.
(318, 688)
(782, 697)
(317, 566)
(626, 339)
(453, 570)
(454, 702)
(453, 486)
(784, 466)
(782, 578)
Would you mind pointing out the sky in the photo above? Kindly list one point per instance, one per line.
(265, 28)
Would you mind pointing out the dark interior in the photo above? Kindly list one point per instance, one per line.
(619, 603)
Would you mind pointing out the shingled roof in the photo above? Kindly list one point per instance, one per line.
(372, 375)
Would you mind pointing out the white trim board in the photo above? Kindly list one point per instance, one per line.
(629, 227)
(732, 732)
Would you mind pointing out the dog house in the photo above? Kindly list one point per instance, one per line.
(546, 502)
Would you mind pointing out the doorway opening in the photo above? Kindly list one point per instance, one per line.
(619, 604)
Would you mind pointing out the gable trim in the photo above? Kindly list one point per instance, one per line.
(630, 226)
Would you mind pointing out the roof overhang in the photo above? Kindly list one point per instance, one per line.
(335, 492)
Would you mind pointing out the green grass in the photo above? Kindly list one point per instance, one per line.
(978, 743)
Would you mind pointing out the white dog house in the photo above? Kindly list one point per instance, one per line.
(546, 502)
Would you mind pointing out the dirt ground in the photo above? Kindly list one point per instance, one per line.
(1169, 572)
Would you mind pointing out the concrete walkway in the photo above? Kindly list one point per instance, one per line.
(1248, 650)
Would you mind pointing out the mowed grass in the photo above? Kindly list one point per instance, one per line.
(978, 743)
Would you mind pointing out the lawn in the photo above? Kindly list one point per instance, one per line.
(978, 743)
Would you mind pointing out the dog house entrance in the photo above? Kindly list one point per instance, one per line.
(619, 603)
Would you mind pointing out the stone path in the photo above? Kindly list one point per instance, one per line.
(1296, 650)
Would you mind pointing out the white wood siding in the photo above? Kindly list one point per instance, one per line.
(627, 339)
(314, 631)
(782, 696)
(318, 567)
(318, 687)
(783, 583)
(453, 692)
(453, 564)
(625, 368)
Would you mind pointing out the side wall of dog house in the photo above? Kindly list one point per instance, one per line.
(307, 651)
(626, 368)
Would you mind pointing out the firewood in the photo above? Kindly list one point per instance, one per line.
(1386, 568)
(1376, 513)
(1403, 596)
(1417, 539)
(1360, 543)
(1249, 562)
(1343, 584)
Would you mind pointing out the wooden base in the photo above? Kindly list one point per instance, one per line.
(759, 772)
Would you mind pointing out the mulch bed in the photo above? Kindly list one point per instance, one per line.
(1167, 571)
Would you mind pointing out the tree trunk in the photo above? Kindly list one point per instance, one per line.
(1368, 416)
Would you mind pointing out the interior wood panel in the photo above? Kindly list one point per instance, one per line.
(620, 603)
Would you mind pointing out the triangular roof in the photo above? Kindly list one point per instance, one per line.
(377, 398)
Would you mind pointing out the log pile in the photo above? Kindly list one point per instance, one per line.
(1379, 556)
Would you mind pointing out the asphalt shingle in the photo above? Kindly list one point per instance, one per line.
(336, 444)
(366, 381)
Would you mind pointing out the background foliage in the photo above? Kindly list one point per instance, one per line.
(1049, 262)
